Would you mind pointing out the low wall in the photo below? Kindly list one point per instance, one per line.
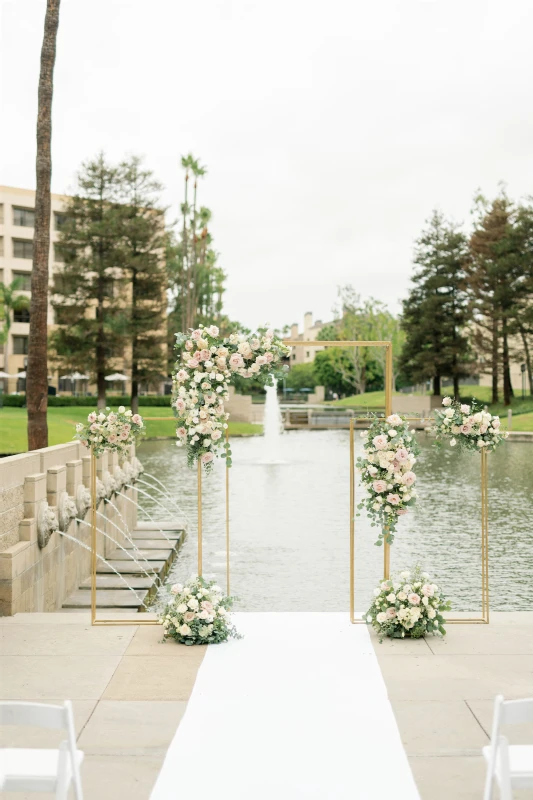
(41, 495)
(241, 408)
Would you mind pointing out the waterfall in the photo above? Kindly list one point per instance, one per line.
(273, 427)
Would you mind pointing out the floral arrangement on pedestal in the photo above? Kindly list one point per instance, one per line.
(110, 430)
(408, 605)
(198, 613)
(204, 370)
(386, 470)
(468, 425)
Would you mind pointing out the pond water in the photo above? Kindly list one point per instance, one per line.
(290, 523)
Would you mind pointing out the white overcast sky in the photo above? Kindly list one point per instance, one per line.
(330, 129)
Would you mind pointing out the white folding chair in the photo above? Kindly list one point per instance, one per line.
(510, 765)
(33, 770)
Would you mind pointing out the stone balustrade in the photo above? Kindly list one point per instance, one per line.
(40, 492)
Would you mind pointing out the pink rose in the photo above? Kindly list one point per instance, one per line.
(207, 458)
(197, 334)
(379, 486)
(124, 435)
(189, 616)
(221, 362)
(236, 361)
(401, 511)
(179, 405)
(466, 428)
(409, 478)
(206, 605)
(210, 398)
(182, 375)
(393, 499)
(269, 357)
(483, 429)
(137, 419)
(427, 590)
(496, 422)
(215, 436)
(112, 438)
(372, 470)
(193, 363)
(189, 345)
(181, 432)
(414, 599)
(402, 454)
(380, 442)
(394, 419)
(260, 360)
(390, 613)
(213, 330)
(94, 427)
(91, 417)
(203, 355)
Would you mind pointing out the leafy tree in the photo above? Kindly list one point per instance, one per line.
(89, 292)
(521, 324)
(301, 376)
(10, 301)
(144, 241)
(37, 370)
(436, 312)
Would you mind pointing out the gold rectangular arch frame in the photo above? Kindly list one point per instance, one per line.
(484, 619)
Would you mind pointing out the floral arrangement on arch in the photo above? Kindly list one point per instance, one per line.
(386, 469)
(204, 370)
(110, 430)
(408, 605)
(198, 613)
(468, 425)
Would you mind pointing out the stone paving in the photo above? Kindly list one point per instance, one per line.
(130, 692)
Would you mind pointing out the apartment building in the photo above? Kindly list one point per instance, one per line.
(304, 354)
(16, 261)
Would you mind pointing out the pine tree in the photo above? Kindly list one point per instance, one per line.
(144, 241)
(89, 293)
(435, 314)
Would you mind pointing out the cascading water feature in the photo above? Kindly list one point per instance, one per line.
(108, 536)
(273, 427)
(154, 500)
(159, 530)
(101, 558)
(163, 492)
(136, 551)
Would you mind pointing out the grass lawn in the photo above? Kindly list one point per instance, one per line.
(61, 422)
(373, 400)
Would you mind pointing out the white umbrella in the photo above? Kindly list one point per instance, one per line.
(5, 375)
(20, 375)
(76, 376)
(117, 376)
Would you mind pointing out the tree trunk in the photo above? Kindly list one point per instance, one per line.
(436, 385)
(527, 355)
(100, 361)
(37, 370)
(456, 387)
(134, 352)
(494, 364)
(507, 389)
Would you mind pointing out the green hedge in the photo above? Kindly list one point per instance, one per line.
(19, 400)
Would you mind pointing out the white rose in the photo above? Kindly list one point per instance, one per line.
(405, 574)
(381, 617)
(449, 412)
(391, 598)
(447, 401)
(432, 613)
(376, 592)
(182, 608)
(121, 409)
(453, 442)
(184, 630)
(193, 603)
(402, 596)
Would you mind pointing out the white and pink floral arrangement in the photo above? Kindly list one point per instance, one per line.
(204, 371)
(110, 430)
(386, 469)
(408, 605)
(468, 426)
(197, 612)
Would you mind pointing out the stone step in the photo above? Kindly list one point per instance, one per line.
(128, 567)
(112, 581)
(154, 544)
(106, 598)
(161, 525)
(165, 535)
(150, 555)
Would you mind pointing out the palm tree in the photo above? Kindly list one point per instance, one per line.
(37, 380)
(10, 301)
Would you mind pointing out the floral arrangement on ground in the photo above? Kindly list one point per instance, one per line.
(110, 430)
(198, 613)
(408, 605)
(386, 470)
(468, 425)
(204, 370)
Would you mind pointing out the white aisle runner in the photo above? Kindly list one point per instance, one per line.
(297, 710)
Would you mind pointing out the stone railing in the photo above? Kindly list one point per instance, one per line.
(42, 495)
